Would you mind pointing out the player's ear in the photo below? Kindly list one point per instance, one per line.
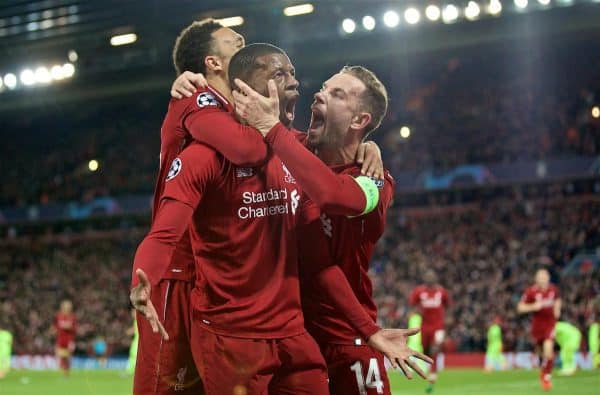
(360, 121)
(213, 63)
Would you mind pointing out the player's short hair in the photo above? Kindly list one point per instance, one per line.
(243, 63)
(375, 97)
(193, 45)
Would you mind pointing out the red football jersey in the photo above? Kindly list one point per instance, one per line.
(545, 317)
(66, 325)
(243, 236)
(432, 301)
(207, 117)
(349, 244)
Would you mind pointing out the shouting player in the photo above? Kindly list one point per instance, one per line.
(205, 47)
(334, 249)
(542, 299)
(432, 299)
(65, 327)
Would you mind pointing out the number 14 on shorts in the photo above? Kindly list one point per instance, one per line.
(373, 379)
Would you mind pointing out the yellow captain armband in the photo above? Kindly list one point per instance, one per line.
(371, 192)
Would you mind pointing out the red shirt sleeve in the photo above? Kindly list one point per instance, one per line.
(331, 280)
(212, 125)
(414, 297)
(528, 296)
(186, 183)
(336, 194)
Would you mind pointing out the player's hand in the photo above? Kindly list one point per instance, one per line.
(256, 110)
(140, 299)
(369, 156)
(393, 344)
(185, 85)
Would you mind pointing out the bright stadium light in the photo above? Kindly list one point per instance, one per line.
(596, 112)
(472, 11)
(42, 75)
(348, 25)
(57, 73)
(544, 2)
(299, 9)
(405, 132)
(93, 165)
(412, 16)
(521, 3)
(391, 19)
(123, 39)
(368, 22)
(432, 12)
(450, 13)
(68, 70)
(27, 77)
(73, 56)
(495, 7)
(10, 80)
(231, 21)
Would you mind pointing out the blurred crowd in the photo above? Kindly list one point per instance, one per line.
(485, 253)
(92, 269)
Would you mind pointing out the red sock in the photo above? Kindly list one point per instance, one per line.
(434, 364)
(67, 364)
(547, 365)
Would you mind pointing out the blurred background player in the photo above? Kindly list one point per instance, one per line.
(494, 359)
(132, 331)
(594, 341)
(568, 337)
(432, 299)
(65, 327)
(542, 299)
(6, 340)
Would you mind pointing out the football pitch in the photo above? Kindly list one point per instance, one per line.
(451, 382)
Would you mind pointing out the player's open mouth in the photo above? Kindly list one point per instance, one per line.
(290, 109)
(317, 120)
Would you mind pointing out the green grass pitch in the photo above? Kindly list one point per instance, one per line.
(451, 382)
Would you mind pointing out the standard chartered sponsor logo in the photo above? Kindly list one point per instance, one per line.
(271, 202)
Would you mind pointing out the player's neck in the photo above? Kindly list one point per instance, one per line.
(221, 86)
(337, 156)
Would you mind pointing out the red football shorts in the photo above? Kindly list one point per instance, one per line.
(541, 333)
(432, 336)
(167, 367)
(355, 370)
(229, 365)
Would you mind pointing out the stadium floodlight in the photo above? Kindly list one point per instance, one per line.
(57, 73)
(10, 80)
(521, 3)
(405, 132)
(368, 22)
(42, 75)
(412, 16)
(391, 18)
(68, 70)
(495, 7)
(123, 39)
(93, 165)
(231, 21)
(596, 112)
(432, 12)
(348, 25)
(450, 13)
(544, 2)
(73, 56)
(472, 11)
(565, 2)
(27, 77)
(299, 9)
